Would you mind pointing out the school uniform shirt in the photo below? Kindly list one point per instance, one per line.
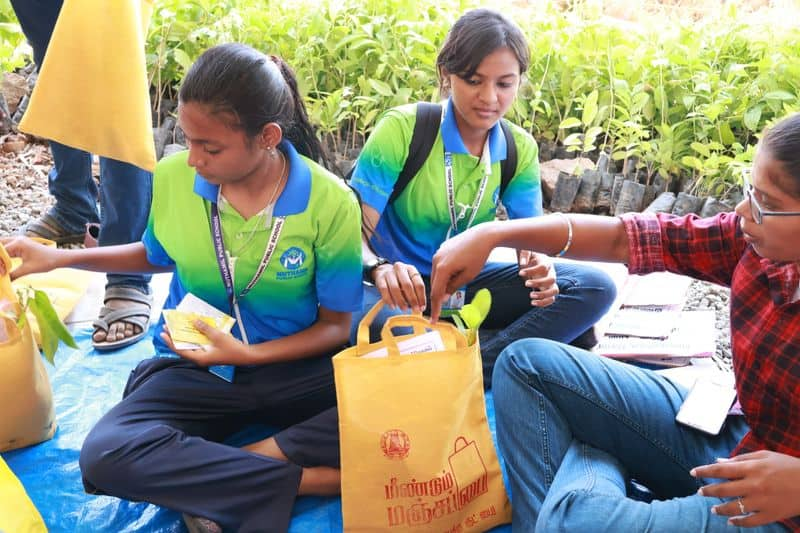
(317, 260)
(765, 317)
(413, 227)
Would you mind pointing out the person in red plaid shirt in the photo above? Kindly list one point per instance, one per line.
(576, 428)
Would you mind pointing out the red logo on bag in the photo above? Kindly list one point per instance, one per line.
(395, 444)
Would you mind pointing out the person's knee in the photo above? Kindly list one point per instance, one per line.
(110, 455)
(526, 359)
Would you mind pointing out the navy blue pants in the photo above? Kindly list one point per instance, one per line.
(163, 443)
(125, 190)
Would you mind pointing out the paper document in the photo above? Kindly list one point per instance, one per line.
(657, 323)
(694, 336)
(180, 322)
(657, 289)
(427, 342)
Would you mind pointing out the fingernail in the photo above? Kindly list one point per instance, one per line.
(714, 510)
(693, 472)
(700, 491)
(723, 459)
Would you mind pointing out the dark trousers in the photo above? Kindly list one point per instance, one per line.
(163, 442)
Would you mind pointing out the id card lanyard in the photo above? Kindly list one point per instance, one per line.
(226, 262)
(486, 161)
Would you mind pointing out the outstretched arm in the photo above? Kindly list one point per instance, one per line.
(37, 257)
(461, 258)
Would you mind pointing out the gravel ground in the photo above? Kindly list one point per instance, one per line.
(704, 295)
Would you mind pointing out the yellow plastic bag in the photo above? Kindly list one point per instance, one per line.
(17, 512)
(26, 413)
(63, 286)
(92, 90)
(416, 449)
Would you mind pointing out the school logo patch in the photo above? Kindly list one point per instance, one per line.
(293, 258)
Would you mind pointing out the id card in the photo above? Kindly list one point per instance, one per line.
(706, 406)
(454, 304)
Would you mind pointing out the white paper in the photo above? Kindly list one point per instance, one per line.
(427, 342)
(657, 289)
(657, 323)
(694, 336)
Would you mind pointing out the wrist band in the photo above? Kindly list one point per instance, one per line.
(569, 234)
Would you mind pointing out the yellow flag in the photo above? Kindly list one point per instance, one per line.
(92, 91)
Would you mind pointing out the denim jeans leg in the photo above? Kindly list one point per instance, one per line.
(585, 295)
(71, 184)
(548, 394)
(588, 494)
(125, 197)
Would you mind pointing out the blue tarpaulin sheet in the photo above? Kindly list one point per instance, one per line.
(86, 384)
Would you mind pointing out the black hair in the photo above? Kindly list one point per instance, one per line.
(256, 89)
(475, 35)
(782, 142)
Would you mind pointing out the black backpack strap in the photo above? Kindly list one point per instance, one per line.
(426, 128)
(508, 166)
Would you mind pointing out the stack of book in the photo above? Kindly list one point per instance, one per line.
(650, 326)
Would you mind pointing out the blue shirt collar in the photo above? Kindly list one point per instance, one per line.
(295, 196)
(454, 144)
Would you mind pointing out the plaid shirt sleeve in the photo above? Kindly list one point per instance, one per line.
(703, 248)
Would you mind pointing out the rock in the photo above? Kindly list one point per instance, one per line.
(14, 143)
(14, 88)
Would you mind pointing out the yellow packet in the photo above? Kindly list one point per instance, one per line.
(182, 330)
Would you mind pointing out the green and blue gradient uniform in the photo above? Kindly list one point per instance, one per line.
(413, 227)
(317, 260)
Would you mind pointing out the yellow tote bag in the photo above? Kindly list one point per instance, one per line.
(26, 414)
(17, 512)
(92, 92)
(416, 450)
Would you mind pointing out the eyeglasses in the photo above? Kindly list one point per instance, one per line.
(755, 207)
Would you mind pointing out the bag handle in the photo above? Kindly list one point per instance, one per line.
(362, 336)
(463, 440)
(420, 325)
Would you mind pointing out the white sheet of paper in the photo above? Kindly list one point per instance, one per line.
(427, 342)
(694, 336)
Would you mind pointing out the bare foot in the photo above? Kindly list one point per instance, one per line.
(117, 330)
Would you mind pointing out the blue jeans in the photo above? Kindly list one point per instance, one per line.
(125, 190)
(575, 427)
(585, 294)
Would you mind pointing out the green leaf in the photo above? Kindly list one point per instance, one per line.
(589, 108)
(51, 328)
(779, 95)
(380, 87)
(701, 149)
(752, 118)
(569, 122)
(182, 58)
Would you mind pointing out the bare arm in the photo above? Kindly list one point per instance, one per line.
(330, 331)
(36, 257)
(461, 258)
